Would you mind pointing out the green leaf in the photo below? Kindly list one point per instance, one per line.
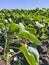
(44, 36)
(44, 29)
(29, 57)
(13, 27)
(31, 37)
(31, 30)
(46, 20)
(33, 50)
(1, 25)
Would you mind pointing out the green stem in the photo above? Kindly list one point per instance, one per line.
(6, 50)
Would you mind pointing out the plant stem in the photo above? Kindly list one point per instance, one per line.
(6, 50)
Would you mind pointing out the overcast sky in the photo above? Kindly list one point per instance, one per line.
(23, 4)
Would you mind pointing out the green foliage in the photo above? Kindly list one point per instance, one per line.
(23, 24)
(13, 27)
(30, 37)
(44, 29)
(31, 30)
(29, 57)
(31, 54)
(21, 32)
(44, 36)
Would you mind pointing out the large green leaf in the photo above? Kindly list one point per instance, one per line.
(13, 27)
(31, 37)
(27, 35)
(33, 50)
(29, 57)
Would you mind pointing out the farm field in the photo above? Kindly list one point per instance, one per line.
(24, 37)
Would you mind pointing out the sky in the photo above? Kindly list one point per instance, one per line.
(23, 4)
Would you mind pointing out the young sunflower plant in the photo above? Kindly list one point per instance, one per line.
(10, 30)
